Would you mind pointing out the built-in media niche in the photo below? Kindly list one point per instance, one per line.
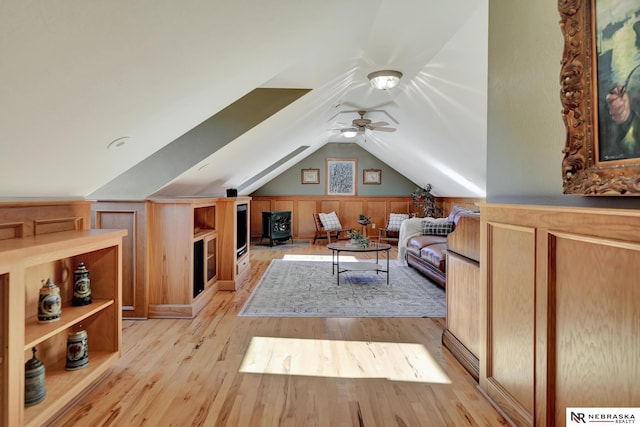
(241, 230)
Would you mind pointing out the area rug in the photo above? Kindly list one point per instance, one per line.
(308, 289)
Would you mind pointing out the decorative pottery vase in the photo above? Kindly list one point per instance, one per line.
(34, 384)
(77, 350)
(81, 286)
(49, 302)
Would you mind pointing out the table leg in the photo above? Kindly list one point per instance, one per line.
(387, 266)
(333, 262)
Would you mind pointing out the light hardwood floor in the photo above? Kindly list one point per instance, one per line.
(330, 371)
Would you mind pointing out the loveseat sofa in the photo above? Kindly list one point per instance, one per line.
(423, 241)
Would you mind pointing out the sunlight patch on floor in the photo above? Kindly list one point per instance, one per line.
(342, 359)
(325, 258)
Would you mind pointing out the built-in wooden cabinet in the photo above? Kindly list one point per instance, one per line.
(462, 332)
(130, 216)
(179, 253)
(24, 263)
(183, 254)
(235, 214)
(559, 310)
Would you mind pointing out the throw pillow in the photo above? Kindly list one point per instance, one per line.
(330, 221)
(395, 220)
(437, 226)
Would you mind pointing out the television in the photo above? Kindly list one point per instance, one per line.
(241, 229)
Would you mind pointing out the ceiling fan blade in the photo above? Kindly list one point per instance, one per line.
(378, 124)
(383, 129)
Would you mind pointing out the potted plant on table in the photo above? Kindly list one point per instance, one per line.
(358, 239)
(363, 219)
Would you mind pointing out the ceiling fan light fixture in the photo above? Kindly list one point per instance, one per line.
(349, 132)
(384, 79)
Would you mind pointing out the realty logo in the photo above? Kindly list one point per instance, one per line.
(602, 415)
(577, 417)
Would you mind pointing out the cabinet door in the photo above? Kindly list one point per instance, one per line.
(211, 247)
(130, 216)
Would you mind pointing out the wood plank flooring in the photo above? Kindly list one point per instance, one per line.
(322, 371)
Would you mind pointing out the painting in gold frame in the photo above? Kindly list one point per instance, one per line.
(600, 87)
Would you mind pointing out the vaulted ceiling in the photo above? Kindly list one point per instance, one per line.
(98, 97)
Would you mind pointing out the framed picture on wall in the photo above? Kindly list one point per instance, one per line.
(600, 94)
(311, 176)
(371, 176)
(341, 177)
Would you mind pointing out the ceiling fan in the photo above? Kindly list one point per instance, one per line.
(359, 126)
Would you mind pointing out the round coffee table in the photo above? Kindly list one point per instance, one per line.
(341, 267)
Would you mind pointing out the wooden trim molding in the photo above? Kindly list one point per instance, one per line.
(466, 358)
(11, 230)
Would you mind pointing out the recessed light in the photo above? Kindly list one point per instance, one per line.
(117, 143)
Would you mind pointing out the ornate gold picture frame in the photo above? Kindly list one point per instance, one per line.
(599, 95)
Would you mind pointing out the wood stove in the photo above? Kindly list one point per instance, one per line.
(276, 226)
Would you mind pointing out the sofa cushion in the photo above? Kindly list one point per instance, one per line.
(435, 254)
(437, 226)
(419, 242)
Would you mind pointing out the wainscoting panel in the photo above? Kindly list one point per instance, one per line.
(43, 217)
(597, 323)
(132, 217)
(564, 282)
(255, 222)
(302, 218)
(348, 209)
(283, 205)
(11, 230)
(462, 315)
(510, 355)
(57, 225)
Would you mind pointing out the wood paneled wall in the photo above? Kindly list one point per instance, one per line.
(23, 219)
(348, 208)
(560, 324)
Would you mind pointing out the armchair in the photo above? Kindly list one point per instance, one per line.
(391, 231)
(330, 226)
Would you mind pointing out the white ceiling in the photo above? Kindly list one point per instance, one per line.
(75, 76)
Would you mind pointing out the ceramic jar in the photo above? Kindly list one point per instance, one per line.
(81, 286)
(34, 384)
(49, 302)
(77, 350)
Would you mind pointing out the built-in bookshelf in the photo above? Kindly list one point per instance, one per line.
(24, 264)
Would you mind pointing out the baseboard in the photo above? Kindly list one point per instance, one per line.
(467, 359)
